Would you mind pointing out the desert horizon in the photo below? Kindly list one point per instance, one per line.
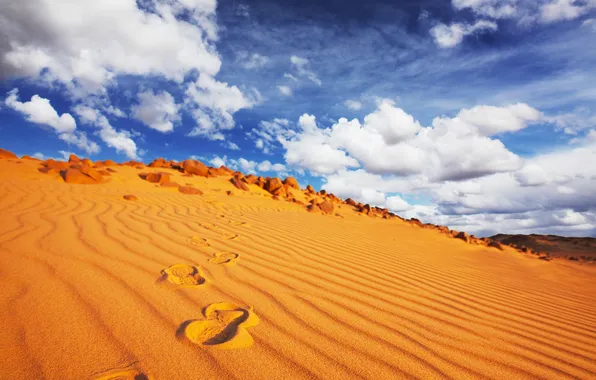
(297, 189)
(122, 274)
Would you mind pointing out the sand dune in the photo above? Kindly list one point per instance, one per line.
(212, 286)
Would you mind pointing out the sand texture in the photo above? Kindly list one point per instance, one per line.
(233, 284)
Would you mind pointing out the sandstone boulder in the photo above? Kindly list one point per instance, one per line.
(239, 184)
(73, 159)
(463, 236)
(7, 154)
(155, 177)
(272, 185)
(251, 179)
(326, 206)
(76, 176)
(130, 197)
(159, 163)
(195, 167)
(291, 182)
(310, 190)
(350, 202)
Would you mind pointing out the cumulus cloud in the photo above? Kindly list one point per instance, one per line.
(72, 43)
(392, 142)
(448, 36)
(119, 140)
(73, 46)
(157, 111)
(266, 166)
(301, 67)
(39, 111)
(213, 104)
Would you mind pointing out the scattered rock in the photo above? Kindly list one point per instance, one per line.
(130, 197)
(291, 182)
(364, 209)
(350, 202)
(229, 192)
(310, 190)
(159, 163)
(239, 184)
(195, 167)
(111, 170)
(326, 207)
(274, 186)
(7, 154)
(313, 208)
(155, 177)
(495, 244)
(25, 157)
(189, 190)
(463, 236)
(77, 176)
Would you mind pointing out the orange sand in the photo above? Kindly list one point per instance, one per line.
(88, 290)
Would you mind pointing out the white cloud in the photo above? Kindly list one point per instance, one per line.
(300, 65)
(119, 140)
(492, 120)
(157, 111)
(392, 123)
(76, 45)
(285, 90)
(272, 133)
(354, 105)
(392, 142)
(251, 61)
(490, 8)
(266, 166)
(231, 145)
(80, 140)
(448, 36)
(218, 161)
(558, 10)
(213, 104)
(39, 111)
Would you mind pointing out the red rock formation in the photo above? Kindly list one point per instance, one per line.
(159, 163)
(155, 177)
(169, 184)
(350, 202)
(26, 157)
(130, 197)
(83, 176)
(274, 186)
(463, 236)
(291, 182)
(74, 159)
(195, 167)
(326, 206)
(239, 184)
(310, 190)
(250, 179)
(7, 154)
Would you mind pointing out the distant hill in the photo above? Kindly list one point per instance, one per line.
(581, 248)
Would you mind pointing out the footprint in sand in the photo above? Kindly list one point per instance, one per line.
(122, 374)
(183, 275)
(209, 226)
(226, 258)
(236, 223)
(230, 235)
(200, 241)
(224, 327)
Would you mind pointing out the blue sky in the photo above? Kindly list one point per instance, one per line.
(477, 114)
